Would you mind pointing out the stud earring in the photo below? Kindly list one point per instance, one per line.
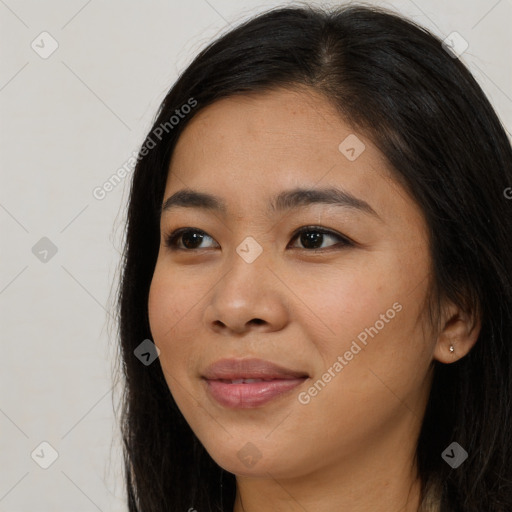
(452, 349)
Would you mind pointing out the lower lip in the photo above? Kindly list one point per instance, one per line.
(254, 394)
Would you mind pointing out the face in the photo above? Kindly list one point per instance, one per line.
(331, 289)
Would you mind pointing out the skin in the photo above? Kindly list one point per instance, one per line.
(352, 446)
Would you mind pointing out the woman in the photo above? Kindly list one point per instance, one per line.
(318, 245)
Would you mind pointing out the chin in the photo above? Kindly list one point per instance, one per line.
(249, 461)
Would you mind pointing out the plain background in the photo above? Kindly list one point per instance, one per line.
(68, 122)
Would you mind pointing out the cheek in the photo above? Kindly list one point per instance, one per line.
(168, 304)
(164, 312)
(161, 308)
(171, 302)
(373, 370)
(369, 317)
(342, 303)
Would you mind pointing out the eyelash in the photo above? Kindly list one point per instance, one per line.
(172, 238)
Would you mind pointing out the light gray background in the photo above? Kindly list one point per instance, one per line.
(68, 122)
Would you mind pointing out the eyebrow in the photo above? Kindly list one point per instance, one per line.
(284, 201)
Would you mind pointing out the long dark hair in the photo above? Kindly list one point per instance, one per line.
(419, 104)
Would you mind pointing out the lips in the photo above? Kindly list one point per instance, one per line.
(246, 369)
(249, 383)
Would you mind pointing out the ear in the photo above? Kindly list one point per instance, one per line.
(459, 330)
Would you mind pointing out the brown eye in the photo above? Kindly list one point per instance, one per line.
(312, 237)
(191, 239)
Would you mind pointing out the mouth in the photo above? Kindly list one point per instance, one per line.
(247, 369)
(245, 381)
(249, 383)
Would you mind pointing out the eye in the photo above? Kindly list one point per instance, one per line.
(313, 236)
(310, 236)
(191, 237)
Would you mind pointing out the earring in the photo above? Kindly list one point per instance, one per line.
(452, 349)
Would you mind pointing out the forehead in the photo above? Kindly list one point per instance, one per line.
(248, 147)
(286, 120)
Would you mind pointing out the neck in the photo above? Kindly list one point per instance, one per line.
(273, 495)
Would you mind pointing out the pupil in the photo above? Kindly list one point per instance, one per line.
(191, 235)
(307, 238)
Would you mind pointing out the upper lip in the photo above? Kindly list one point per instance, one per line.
(230, 369)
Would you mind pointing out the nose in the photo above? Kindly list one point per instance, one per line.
(248, 296)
